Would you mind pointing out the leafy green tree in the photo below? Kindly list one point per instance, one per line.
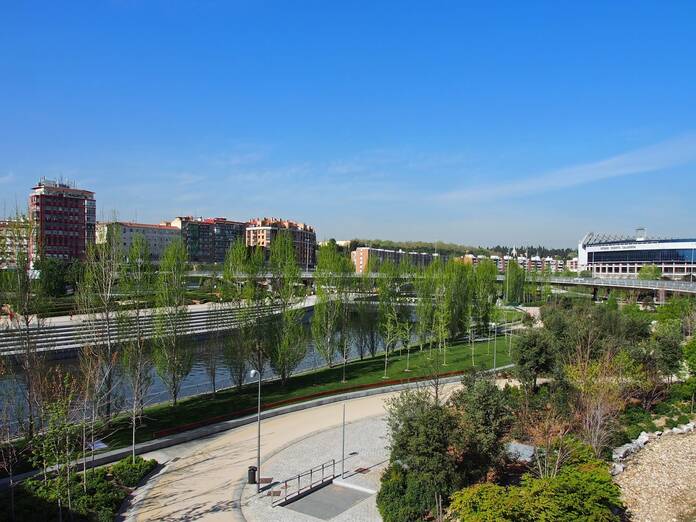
(173, 359)
(425, 304)
(484, 418)
(421, 467)
(690, 360)
(54, 276)
(328, 317)
(485, 286)
(534, 354)
(239, 287)
(649, 272)
(289, 347)
(514, 283)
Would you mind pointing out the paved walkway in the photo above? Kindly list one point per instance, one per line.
(203, 479)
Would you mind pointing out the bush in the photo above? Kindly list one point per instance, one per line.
(128, 473)
(582, 492)
(682, 419)
(671, 423)
(106, 487)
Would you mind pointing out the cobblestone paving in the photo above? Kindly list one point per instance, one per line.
(659, 483)
(366, 438)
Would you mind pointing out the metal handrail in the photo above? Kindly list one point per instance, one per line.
(286, 484)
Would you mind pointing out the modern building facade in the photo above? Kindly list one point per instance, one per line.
(207, 240)
(14, 241)
(157, 237)
(63, 220)
(262, 232)
(363, 257)
(606, 255)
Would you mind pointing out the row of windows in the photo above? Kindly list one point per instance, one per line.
(681, 255)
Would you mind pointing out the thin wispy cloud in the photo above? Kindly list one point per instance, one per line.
(665, 155)
(6, 178)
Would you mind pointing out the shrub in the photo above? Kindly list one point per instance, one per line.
(582, 492)
(128, 473)
(106, 490)
(671, 423)
(682, 419)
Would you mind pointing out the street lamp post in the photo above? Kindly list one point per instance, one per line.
(253, 374)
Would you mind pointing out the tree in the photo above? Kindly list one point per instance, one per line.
(96, 300)
(600, 388)
(514, 283)
(421, 467)
(25, 303)
(425, 303)
(327, 319)
(288, 348)
(690, 360)
(649, 272)
(9, 454)
(484, 418)
(137, 282)
(238, 282)
(534, 355)
(485, 288)
(173, 360)
(659, 358)
(389, 309)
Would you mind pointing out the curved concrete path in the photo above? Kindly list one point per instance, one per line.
(203, 479)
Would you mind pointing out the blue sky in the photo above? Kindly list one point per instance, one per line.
(523, 122)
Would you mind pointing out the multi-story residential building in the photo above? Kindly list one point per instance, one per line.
(364, 257)
(622, 256)
(63, 219)
(207, 240)
(14, 241)
(157, 237)
(262, 232)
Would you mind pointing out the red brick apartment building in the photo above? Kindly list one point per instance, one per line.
(64, 220)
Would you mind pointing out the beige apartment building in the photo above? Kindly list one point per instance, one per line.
(262, 232)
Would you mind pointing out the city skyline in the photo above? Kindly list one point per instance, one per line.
(368, 122)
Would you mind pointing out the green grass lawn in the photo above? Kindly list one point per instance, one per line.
(367, 371)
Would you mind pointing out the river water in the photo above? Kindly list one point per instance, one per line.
(197, 381)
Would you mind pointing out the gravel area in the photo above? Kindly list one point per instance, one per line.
(659, 482)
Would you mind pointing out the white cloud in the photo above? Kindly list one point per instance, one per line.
(6, 178)
(664, 155)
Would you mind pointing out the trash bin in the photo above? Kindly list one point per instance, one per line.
(252, 475)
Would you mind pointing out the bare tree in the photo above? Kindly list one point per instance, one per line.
(25, 304)
(547, 431)
(136, 281)
(9, 456)
(600, 391)
(96, 298)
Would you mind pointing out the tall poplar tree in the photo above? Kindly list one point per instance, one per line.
(173, 359)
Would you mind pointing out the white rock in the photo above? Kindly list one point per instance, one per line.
(658, 433)
(677, 430)
(642, 439)
(617, 468)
